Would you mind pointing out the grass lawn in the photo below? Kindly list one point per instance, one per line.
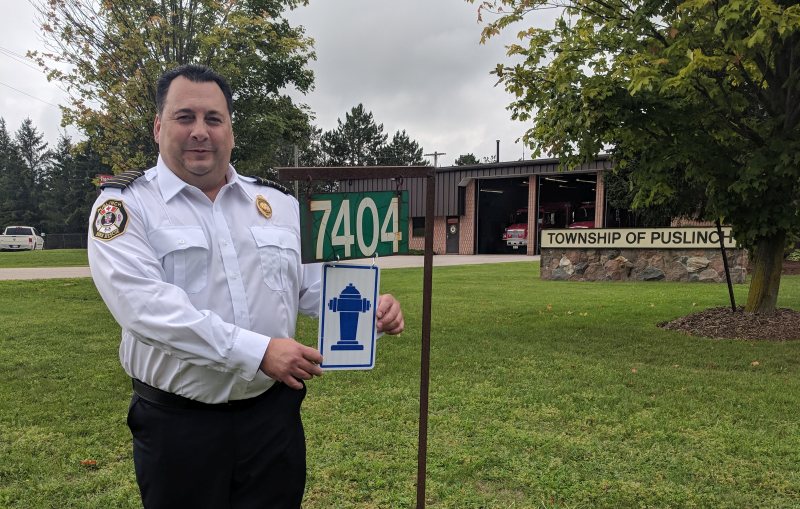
(49, 258)
(543, 395)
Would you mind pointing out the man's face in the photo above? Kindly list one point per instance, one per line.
(194, 133)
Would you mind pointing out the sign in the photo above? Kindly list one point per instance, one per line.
(637, 238)
(344, 226)
(347, 316)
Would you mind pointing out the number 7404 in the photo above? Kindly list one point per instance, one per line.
(367, 217)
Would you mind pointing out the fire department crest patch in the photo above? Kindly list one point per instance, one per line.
(110, 220)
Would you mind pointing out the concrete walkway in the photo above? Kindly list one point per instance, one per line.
(389, 262)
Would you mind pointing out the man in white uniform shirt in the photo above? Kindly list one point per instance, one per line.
(201, 268)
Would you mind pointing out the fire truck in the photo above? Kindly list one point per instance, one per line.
(583, 216)
(551, 215)
(516, 234)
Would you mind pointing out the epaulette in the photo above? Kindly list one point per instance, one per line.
(271, 183)
(122, 180)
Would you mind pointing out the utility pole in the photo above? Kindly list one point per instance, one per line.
(435, 157)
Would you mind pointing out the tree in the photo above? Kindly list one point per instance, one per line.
(24, 181)
(356, 141)
(13, 195)
(115, 52)
(621, 193)
(700, 94)
(401, 151)
(68, 190)
(466, 159)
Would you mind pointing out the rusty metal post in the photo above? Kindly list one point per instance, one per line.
(725, 264)
(424, 375)
(339, 173)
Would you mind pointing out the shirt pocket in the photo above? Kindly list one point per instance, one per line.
(279, 250)
(183, 251)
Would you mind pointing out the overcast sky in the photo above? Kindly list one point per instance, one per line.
(417, 65)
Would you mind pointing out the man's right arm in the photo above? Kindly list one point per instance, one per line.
(289, 361)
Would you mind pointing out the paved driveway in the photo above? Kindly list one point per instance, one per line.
(389, 262)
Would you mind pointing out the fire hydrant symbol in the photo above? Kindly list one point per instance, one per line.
(348, 304)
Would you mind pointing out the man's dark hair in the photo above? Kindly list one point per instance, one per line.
(196, 74)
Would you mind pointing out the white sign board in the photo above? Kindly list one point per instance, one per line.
(642, 238)
(347, 316)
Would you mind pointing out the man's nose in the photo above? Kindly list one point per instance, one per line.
(199, 131)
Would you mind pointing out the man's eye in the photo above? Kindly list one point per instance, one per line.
(184, 118)
(214, 120)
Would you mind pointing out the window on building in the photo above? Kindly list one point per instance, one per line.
(417, 226)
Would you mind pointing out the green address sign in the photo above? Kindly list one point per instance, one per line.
(343, 226)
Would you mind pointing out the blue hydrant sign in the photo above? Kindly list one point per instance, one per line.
(347, 316)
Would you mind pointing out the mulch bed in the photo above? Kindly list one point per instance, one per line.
(790, 268)
(782, 325)
(721, 322)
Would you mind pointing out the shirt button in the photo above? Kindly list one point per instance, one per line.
(181, 242)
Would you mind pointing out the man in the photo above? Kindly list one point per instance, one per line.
(201, 268)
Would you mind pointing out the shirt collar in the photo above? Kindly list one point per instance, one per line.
(170, 184)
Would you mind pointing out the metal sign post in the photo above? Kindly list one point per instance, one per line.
(353, 173)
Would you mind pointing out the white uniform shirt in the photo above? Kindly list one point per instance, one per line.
(200, 287)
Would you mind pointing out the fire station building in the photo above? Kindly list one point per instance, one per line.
(478, 206)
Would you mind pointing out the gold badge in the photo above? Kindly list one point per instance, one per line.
(263, 206)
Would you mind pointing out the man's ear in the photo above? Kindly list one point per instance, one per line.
(156, 128)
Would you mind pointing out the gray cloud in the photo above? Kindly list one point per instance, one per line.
(416, 64)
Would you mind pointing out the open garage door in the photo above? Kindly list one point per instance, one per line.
(565, 201)
(500, 202)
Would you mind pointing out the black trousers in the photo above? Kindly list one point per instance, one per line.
(243, 457)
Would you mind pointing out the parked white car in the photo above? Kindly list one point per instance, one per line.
(21, 238)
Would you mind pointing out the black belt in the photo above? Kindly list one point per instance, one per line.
(168, 399)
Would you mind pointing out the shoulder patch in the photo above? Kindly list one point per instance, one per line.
(271, 183)
(110, 220)
(122, 180)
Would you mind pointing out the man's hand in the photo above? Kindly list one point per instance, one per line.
(390, 316)
(288, 361)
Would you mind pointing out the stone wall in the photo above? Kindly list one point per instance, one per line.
(704, 265)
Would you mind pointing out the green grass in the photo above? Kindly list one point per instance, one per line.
(49, 258)
(543, 394)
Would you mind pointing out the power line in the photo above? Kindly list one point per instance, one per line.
(29, 95)
(17, 57)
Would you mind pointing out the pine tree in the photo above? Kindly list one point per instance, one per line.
(465, 159)
(401, 151)
(11, 170)
(68, 190)
(355, 142)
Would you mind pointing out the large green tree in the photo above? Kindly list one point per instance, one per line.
(401, 151)
(14, 195)
(355, 142)
(68, 190)
(109, 55)
(700, 94)
(360, 141)
(466, 159)
(25, 166)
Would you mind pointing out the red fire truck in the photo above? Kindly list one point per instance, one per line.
(551, 215)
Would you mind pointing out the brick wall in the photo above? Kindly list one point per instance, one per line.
(466, 229)
(439, 237)
(533, 215)
(466, 240)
